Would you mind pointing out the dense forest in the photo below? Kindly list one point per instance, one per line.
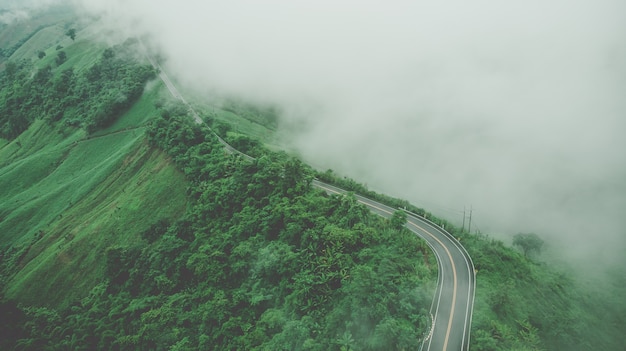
(260, 260)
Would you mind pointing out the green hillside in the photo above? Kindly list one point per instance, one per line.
(39, 32)
(125, 226)
(67, 198)
(68, 193)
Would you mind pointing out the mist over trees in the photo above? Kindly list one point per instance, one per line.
(513, 107)
(261, 260)
(528, 242)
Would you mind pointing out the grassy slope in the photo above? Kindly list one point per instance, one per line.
(45, 40)
(69, 197)
(42, 28)
(113, 213)
(81, 54)
(66, 197)
(34, 175)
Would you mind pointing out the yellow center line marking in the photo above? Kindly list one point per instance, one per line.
(445, 343)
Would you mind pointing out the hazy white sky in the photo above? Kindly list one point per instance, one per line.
(514, 107)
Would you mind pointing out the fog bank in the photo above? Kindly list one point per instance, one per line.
(515, 109)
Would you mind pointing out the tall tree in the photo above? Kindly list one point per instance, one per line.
(398, 220)
(61, 58)
(71, 33)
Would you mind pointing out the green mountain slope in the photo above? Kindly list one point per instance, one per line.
(66, 195)
(125, 226)
(66, 199)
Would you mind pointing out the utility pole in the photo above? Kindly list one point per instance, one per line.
(463, 226)
(469, 227)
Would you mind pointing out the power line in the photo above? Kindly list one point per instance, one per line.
(469, 217)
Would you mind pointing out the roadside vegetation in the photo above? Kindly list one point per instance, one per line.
(126, 226)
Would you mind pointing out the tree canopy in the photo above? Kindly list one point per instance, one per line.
(71, 33)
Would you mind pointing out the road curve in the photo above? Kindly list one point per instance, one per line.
(453, 302)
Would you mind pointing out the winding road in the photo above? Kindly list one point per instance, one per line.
(453, 302)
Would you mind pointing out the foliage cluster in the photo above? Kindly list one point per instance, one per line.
(528, 243)
(91, 99)
(349, 184)
(523, 304)
(261, 261)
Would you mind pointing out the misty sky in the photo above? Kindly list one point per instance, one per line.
(516, 108)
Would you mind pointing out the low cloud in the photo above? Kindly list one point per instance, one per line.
(12, 16)
(514, 108)
(13, 11)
